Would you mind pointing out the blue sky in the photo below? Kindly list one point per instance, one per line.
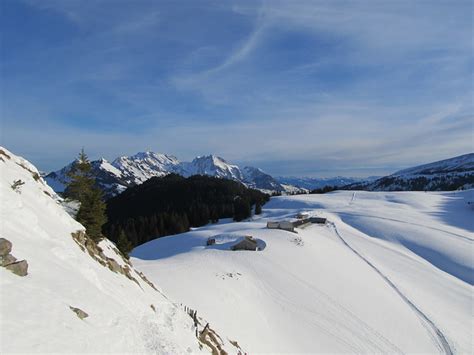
(316, 88)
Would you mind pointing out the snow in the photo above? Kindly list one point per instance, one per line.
(389, 272)
(144, 165)
(105, 165)
(212, 165)
(35, 309)
(457, 172)
(457, 164)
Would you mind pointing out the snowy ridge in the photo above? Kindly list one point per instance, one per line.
(211, 165)
(458, 164)
(444, 175)
(126, 171)
(145, 165)
(68, 275)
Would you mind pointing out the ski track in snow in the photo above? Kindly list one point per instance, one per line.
(434, 331)
(368, 339)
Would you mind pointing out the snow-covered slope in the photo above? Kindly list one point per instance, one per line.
(68, 275)
(125, 171)
(389, 273)
(457, 164)
(449, 174)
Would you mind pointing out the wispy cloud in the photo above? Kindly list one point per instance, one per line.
(335, 85)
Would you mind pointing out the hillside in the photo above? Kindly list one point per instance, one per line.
(390, 272)
(67, 295)
(444, 175)
(123, 172)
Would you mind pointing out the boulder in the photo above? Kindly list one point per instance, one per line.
(79, 312)
(5, 247)
(7, 259)
(19, 268)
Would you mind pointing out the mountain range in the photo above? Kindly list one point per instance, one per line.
(311, 183)
(127, 171)
(444, 175)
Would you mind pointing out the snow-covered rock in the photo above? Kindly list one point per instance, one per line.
(70, 277)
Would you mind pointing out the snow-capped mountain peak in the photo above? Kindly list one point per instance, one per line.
(144, 165)
(212, 165)
(103, 164)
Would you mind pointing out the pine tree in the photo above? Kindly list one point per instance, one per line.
(81, 180)
(258, 208)
(91, 213)
(123, 244)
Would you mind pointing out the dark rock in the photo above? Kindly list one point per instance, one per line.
(114, 266)
(19, 268)
(7, 259)
(79, 312)
(5, 247)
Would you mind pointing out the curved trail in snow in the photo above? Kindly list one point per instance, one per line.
(365, 339)
(439, 337)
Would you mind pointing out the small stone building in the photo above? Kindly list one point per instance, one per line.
(248, 243)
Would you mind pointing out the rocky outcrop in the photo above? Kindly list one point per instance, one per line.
(79, 312)
(19, 268)
(9, 262)
(87, 245)
(5, 247)
(208, 337)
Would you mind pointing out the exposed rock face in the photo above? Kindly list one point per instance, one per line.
(5, 247)
(9, 262)
(80, 313)
(7, 259)
(19, 268)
